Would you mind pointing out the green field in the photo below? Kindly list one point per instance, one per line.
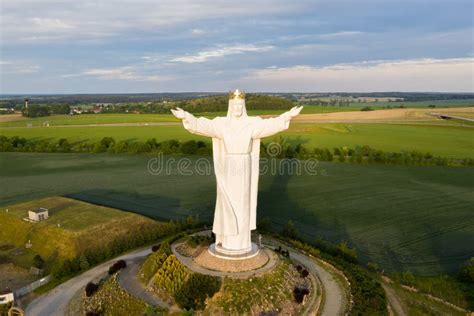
(81, 226)
(443, 140)
(91, 119)
(403, 218)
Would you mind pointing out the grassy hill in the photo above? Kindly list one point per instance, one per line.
(402, 217)
(81, 226)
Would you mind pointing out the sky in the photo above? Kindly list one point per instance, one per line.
(147, 46)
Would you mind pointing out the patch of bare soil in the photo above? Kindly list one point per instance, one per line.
(12, 117)
(381, 115)
(14, 277)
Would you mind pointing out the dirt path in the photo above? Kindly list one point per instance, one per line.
(393, 301)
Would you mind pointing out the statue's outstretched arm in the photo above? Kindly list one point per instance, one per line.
(271, 126)
(294, 111)
(200, 126)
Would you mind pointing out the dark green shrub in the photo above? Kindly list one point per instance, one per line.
(195, 291)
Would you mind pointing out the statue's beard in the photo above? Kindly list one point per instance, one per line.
(237, 113)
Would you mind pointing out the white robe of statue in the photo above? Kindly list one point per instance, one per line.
(236, 150)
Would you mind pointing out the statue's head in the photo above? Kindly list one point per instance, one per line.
(236, 104)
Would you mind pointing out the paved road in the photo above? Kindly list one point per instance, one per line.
(55, 302)
(128, 280)
(335, 300)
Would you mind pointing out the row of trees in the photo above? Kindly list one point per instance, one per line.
(200, 105)
(359, 154)
(93, 256)
(36, 110)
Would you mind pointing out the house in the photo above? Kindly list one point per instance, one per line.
(38, 214)
(6, 296)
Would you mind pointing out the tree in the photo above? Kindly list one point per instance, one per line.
(189, 147)
(83, 263)
(198, 287)
(38, 262)
(289, 230)
(91, 288)
(346, 252)
(467, 270)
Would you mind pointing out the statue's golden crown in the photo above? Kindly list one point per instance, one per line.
(237, 94)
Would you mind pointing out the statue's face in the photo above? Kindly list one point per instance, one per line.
(237, 107)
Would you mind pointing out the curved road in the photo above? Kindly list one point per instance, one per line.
(335, 300)
(56, 301)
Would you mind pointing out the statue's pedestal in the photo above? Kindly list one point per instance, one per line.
(230, 254)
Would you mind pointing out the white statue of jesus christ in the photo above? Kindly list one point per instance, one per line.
(236, 151)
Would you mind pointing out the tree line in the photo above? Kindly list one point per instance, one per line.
(359, 154)
(144, 236)
(36, 110)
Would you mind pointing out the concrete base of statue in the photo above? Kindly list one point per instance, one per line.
(230, 254)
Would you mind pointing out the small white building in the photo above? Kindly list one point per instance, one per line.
(6, 296)
(38, 214)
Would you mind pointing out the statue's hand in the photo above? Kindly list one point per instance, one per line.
(179, 113)
(294, 112)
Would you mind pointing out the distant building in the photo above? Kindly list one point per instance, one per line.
(6, 296)
(38, 214)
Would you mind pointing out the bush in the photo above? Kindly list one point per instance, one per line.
(91, 288)
(119, 265)
(299, 294)
(289, 230)
(304, 273)
(155, 248)
(467, 271)
(195, 291)
(38, 262)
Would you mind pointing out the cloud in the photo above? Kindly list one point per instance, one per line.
(455, 74)
(220, 52)
(18, 67)
(121, 73)
(24, 20)
(340, 34)
(198, 32)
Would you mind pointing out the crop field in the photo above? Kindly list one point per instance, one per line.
(403, 218)
(16, 120)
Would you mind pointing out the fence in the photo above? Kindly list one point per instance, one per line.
(32, 286)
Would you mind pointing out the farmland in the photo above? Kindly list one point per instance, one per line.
(73, 226)
(453, 140)
(403, 218)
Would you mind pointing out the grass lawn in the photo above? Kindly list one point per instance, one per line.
(81, 225)
(418, 304)
(403, 218)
